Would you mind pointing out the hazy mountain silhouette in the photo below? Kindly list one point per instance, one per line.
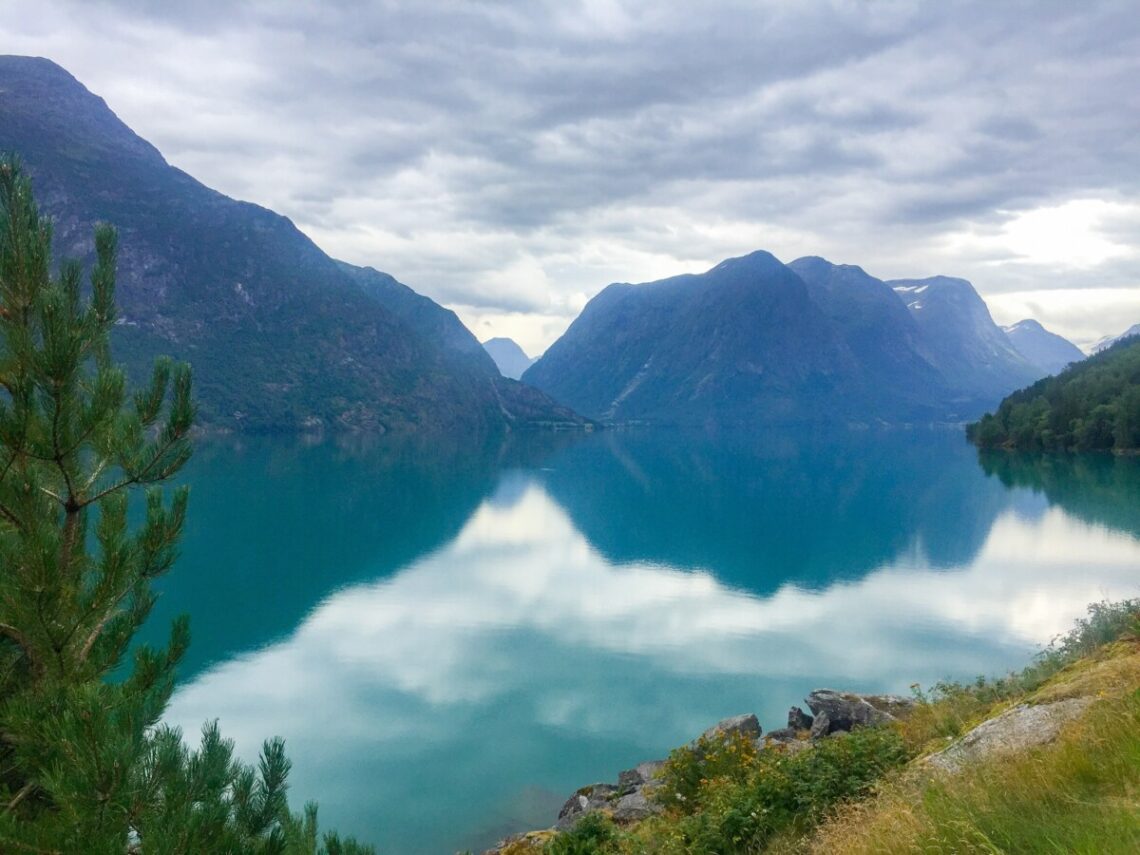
(509, 357)
(754, 341)
(1042, 348)
(973, 354)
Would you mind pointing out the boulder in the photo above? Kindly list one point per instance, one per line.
(799, 720)
(821, 726)
(639, 776)
(783, 734)
(847, 710)
(582, 802)
(634, 807)
(627, 801)
(745, 725)
(1021, 727)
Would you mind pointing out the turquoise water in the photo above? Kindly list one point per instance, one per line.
(452, 641)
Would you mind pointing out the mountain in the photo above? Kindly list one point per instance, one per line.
(1046, 350)
(281, 337)
(965, 345)
(1109, 340)
(520, 406)
(425, 317)
(1092, 406)
(753, 341)
(743, 342)
(885, 339)
(511, 359)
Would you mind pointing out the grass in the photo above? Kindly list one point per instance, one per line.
(949, 709)
(857, 794)
(1080, 794)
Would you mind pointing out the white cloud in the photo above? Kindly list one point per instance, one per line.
(1066, 236)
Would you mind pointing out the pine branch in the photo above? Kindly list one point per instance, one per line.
(24, 792)
(17, 636)
(93, 636)
(11, 517)
(138, 476)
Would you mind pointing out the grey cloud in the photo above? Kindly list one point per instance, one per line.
(439, 141)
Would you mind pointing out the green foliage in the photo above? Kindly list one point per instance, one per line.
(593, 834)
(84, 764)
(688, 769)
(1106, 622)
(781, 790)
(724, 795)
(1076, 794)
(1092, 405)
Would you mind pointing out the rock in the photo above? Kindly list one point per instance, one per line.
(786, 738)
(639, 776)
(635, 807)
(847, 710)
(784, 734)
(799, 720)
(627, 801)
(821, 726)
(746, 725)
(1021, 727)
(582, 802)
(894, 705)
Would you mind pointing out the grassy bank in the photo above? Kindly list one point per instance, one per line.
(876, 791)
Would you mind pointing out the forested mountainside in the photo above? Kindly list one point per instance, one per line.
(280, 335)
(1093, 405)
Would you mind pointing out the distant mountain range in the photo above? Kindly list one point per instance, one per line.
(511, 359)
(1109, 340)
(971, 352)
(753, 340)
(1048, 351)
(280, 335)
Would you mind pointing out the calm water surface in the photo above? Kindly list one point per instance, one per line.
(452, 641)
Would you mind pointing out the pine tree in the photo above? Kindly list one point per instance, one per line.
(85, 765)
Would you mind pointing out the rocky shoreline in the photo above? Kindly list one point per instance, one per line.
(628, 799)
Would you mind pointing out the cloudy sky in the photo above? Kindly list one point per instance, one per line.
(511, 159)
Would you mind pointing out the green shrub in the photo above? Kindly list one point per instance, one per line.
(682, 779)
(593, 834)
(732, 799)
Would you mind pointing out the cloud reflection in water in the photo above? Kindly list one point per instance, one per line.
(488, 679)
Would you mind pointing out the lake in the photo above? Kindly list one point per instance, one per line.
(452, 640)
